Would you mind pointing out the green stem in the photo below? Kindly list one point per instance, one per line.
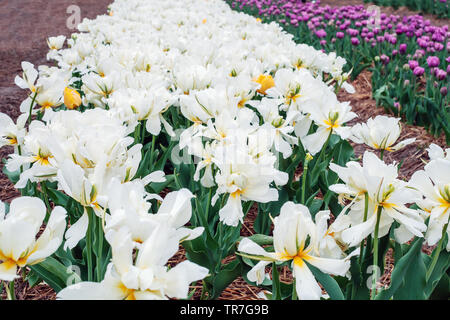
(143, 132)
(436, 253)
(375, 254)
(137, 133)
(46, 201)
(323, 148)
(152, 151)
(276, 291)
(366, 208)
(19, 150)
(381, 154)
(294, 291)
(99, 250)
(208, 204)
(89, 240)
(204, 291)
(304, 175)
(10, 292)
(31, 108)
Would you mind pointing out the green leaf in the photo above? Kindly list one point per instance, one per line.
(276, 289)
(315, 206)
(12, 176)
(57, 275)
(157, 187)
(225, 277)
(330, 285)
(202, 252)
(442, 289)
(33, 278)
(439, 271)
(58, 198)
(359, 289)
(260, 239)
(401, 270)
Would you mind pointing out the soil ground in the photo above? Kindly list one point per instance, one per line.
(26, 24)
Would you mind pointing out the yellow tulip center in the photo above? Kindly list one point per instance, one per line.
(42, 160)
(241, 103)
(237, 193)
(11, 140)
(266, 82)
(299, 258)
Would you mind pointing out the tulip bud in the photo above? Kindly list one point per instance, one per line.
(72, 98)
(402, 48)
(441, 74)
(418, 71)
(266, 82)
(433, 61)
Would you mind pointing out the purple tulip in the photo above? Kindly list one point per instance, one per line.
(418, 71)
(402, 48)
(413, 64)
(444, 91)
(355, 41)
(440, 74)
(352, 32)
(321, 33)
(340, 35)
(384, 59)
(438, 46)
(433, 61)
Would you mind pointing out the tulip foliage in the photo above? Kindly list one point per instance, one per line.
(438, 7)
(147, 137)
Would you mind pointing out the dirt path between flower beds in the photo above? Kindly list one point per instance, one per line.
(26, 24)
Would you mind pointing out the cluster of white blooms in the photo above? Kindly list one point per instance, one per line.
(241, 105)
(130, 229)
(386, 196)
(299, 239)
(433, 186)
(19, 245)
(210, 63)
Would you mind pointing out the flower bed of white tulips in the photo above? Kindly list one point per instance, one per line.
(217, 111)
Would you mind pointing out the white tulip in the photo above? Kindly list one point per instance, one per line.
(380, 133)
(295, 239)
(18, 244)
(145, 279)
(433, 183)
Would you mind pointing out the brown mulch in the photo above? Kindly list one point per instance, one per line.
(26, 24)
(365, 107)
